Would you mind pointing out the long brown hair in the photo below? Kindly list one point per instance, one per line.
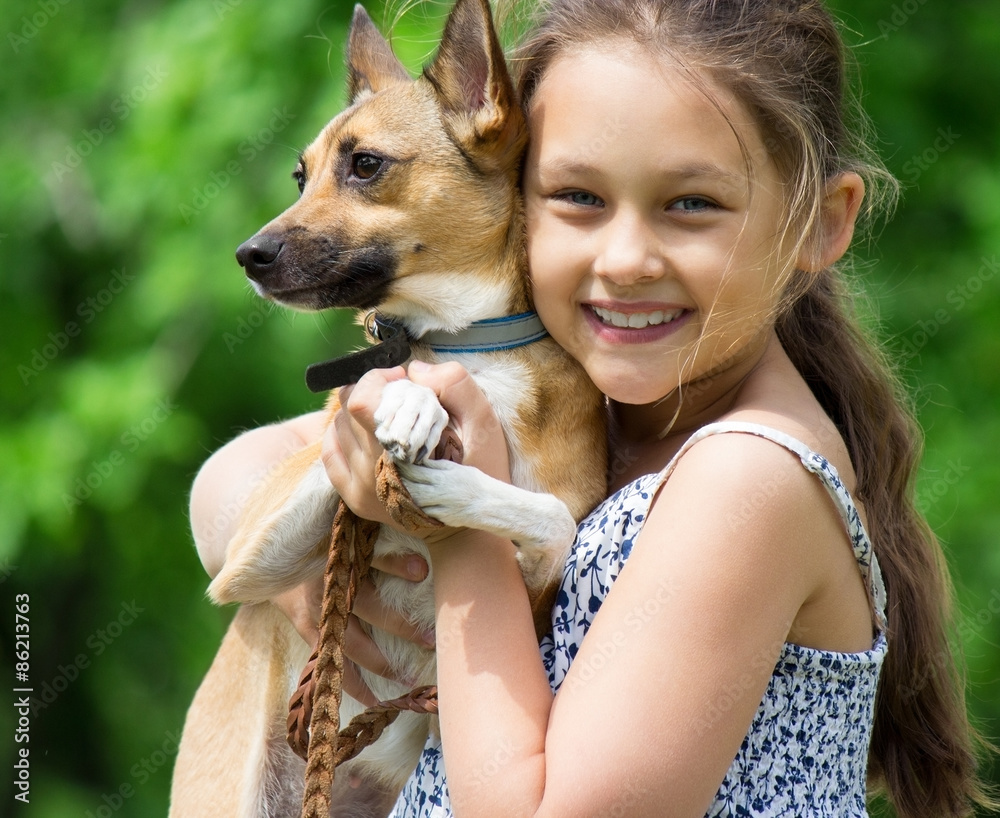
(785, 61)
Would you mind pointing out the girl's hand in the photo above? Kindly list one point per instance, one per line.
(359, 647)
(302, 606)
(472, 416)
(350, 450)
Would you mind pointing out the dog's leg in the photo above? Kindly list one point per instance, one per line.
(462, 496)
(284, 534)
(539, 524)
(232, 754)
(409, 424)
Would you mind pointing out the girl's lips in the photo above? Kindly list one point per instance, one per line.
(640, 324)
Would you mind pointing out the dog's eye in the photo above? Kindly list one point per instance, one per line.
(365, 166)
(299, 175)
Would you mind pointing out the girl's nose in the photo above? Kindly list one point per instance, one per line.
(628, 251)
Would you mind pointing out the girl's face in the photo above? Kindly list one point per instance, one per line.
(655, 260)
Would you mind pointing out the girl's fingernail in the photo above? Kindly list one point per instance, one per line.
(416, 568)
(419, 366)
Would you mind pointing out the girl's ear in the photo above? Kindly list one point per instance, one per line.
(841, 202)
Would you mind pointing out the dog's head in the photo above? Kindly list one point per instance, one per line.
(410, 190)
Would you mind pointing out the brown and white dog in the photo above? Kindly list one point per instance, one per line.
(410, 206)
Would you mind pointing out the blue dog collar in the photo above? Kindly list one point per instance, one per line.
(490, 335)
(392, 346)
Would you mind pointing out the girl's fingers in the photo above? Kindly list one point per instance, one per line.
(370, 608)
(363, 398)
(359, 648)
(302, 605)
(349, 455)
(350, 449)
(355, 687)
(406, 566)
(362, 651)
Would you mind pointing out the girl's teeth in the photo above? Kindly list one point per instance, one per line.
(635, 320)
(639, 320)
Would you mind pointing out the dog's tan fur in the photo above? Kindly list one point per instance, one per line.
(435, 242)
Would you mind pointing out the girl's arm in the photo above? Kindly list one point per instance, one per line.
(664, 687)
(227, 478)
(666, 683)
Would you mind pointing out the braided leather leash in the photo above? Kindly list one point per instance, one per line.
(314, 710)
(365, 728)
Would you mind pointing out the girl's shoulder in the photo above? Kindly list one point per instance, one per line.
(764, 491)
(764, 473)
(757, 442)
(727, 462)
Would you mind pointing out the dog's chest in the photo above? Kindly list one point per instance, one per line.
(510, 387)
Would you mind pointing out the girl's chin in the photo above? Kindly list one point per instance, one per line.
(636, 387)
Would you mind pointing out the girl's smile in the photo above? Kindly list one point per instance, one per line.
(636, 323)
(654, 223)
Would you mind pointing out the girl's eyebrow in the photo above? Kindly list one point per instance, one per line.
(698, 171)
(704, 170)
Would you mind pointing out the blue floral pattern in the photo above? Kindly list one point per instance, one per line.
(806, 752)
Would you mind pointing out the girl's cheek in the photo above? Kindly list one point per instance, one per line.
(546, 275)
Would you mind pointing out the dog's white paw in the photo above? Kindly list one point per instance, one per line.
(409, 421)
(439, 489)
(462, 496)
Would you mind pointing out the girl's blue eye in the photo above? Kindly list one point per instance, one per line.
(580, 197)
(692, 204)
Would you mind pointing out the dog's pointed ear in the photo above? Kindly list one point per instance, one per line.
(470, 78)
(371, 65)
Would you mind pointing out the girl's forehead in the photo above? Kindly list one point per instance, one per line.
(618, 93)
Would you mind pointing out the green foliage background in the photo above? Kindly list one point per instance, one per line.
(143, 141)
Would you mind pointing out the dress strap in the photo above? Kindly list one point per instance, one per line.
(825, 471)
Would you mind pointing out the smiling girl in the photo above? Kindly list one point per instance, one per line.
(744, 625)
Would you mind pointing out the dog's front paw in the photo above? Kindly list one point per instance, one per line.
(443, 490)
(409, 421)
(462, 496)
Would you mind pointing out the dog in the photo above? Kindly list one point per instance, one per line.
(410, 207)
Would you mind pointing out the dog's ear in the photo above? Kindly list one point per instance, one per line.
(470, 77)
(371, 65)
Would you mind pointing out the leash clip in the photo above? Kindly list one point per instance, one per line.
(371, 326)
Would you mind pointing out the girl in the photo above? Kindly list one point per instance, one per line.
(755, 621)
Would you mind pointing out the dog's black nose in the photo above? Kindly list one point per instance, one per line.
(257, 255)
